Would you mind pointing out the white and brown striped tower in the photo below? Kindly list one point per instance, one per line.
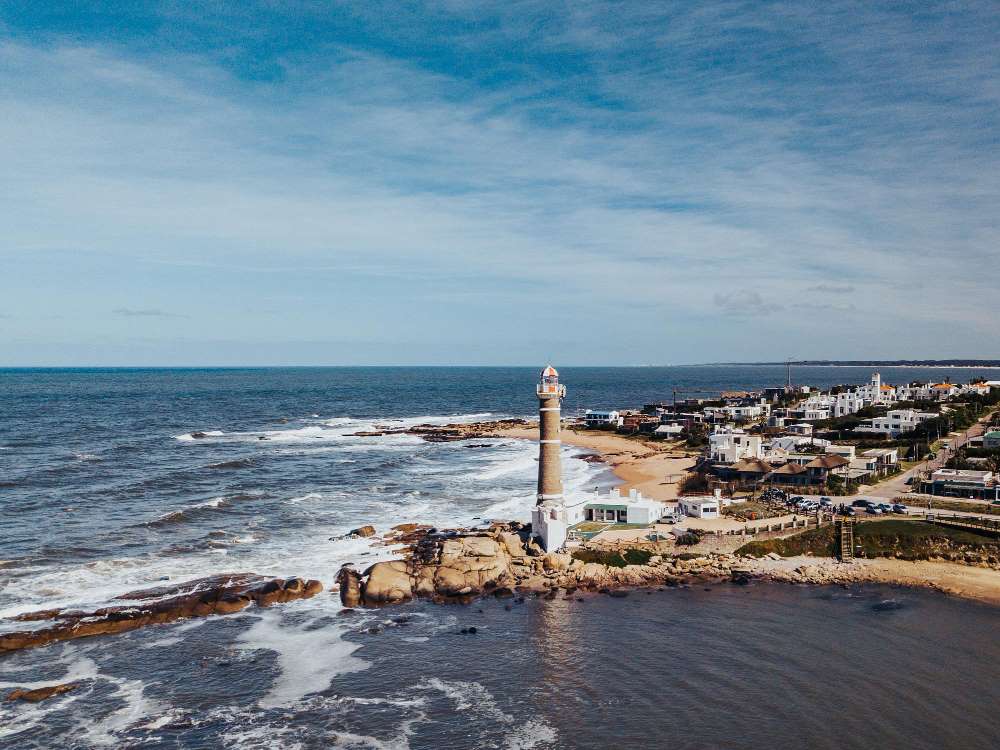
(550, 393)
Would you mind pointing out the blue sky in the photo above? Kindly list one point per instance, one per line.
(497, 183)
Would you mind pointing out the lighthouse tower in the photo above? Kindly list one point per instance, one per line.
(550, 393)
(548, 519)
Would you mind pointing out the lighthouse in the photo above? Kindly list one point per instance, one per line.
(549, 520)
(550, 393)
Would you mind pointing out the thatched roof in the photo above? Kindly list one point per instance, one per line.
(790, 468)
(828, 461)
(753, 466)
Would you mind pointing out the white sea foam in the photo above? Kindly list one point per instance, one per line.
(475, 698)
(92, 731)
(189, 436)
(464, 485)
(310, 655)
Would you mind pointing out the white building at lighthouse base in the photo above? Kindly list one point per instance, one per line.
(551, 522)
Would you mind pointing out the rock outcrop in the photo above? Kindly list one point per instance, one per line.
(216, 595)
(503, 560)
(40, 694)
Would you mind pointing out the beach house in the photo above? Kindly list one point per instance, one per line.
(729, 444)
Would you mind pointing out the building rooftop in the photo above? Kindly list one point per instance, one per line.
(828, 461)
(753, 465)
(790, 468)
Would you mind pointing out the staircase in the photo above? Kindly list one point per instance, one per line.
(845, 536)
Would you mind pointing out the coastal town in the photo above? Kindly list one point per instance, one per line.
(866, 483)
(746, 454)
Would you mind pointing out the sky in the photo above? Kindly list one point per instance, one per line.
(587, 183)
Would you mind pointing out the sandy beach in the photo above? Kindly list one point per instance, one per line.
(653, 468)
(967, 581)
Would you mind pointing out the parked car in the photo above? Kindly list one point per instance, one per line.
(860, 504)
(873, 510)
(849, 511)
(884, 507)
(825, 502)
(899, 508)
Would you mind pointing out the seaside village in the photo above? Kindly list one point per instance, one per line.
(762, 462)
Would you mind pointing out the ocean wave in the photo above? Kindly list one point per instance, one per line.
(308, 657)
(184, 514)
(199, 435)
(472, 697)
(236, 463)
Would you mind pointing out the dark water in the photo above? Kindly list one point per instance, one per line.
(103, 490)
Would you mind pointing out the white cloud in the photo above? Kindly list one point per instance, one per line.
(648, 174)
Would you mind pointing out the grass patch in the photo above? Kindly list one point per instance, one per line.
(940, 503)
(591, 526)
(907, 540)
(614, 558)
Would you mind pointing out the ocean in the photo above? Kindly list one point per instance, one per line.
(105, 489)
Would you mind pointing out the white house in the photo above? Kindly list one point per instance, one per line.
(729, 445)
(633, 509)
(896, 422)
(847, 403)
(847, 451)
(700, 507)
(669, 430)
(602, 419)
(887, 459)
(876, 392)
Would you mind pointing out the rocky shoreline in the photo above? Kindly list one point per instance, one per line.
(448, 432)
(460, 565)
(217, 595)
(502, 561)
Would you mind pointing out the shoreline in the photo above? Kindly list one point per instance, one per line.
(640, 465)
(654, 469)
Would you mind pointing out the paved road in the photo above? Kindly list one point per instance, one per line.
(898, 485)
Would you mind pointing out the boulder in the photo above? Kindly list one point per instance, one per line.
(350, 586)
(40, 694)
(535, 584)
(593, 574)
(388, 582)
(513, 544)
(424, 583)
(556, 561)
(451, 582)
(480, 546)
(363, 531)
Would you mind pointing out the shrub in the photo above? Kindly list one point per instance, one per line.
(614, 558)
(694, 484)
(687, 539)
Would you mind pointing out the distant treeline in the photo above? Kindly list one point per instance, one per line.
(881, 363)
